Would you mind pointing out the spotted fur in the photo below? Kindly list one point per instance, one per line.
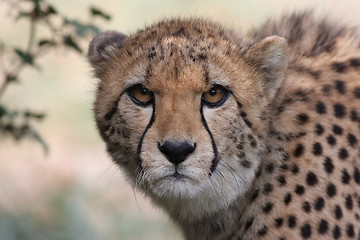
(279, 159)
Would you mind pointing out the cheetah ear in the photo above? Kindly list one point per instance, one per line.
(100, 47)
(270, 58)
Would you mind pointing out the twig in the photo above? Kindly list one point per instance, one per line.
(9, 77)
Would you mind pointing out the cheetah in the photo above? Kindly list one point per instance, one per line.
(237, 137)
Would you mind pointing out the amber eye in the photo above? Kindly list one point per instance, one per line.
(141, 95)
(215, 96)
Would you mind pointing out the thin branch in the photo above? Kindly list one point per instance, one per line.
(32, 35)
(9, 77)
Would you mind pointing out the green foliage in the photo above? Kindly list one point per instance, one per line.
(65, 33)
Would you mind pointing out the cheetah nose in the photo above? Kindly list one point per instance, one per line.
(176, 152)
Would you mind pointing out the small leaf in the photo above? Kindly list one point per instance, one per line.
(38, 116)
(33, 134)
(93, 29)
(69, 41)
(11, 77)
(44, 42)
(3, 111)
(51, 10)
(81, 28)
(25, 57)
(94, 11)
(22, 15)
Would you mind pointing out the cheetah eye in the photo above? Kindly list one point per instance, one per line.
(215, 96)
(140, 95)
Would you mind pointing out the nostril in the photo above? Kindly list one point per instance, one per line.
(176, 152)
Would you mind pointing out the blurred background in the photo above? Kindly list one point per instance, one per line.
(56, 181)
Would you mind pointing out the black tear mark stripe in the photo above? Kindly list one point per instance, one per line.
(114, 109)
(139, 148)
(215, 161)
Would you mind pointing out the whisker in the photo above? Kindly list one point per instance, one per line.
(103, 174)
(112, 176)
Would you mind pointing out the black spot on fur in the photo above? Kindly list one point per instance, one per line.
(345, 178)
(262, 231)
(319, 204)
(291, 221)
(281, 179)
(299, 150)
(254, 195)
(319, 129)
(245, 163)
(267, 188)
(317, 149)
(268, 207)
(284, 167)
(354, 116)
(331, 190)
(357, 175)
(299, 190)
(339, 110)
(302, 118)
(343, 154)
(279, 222)
(295, 169)
(337, 129)
(248, 223)
(350, 230)
(248, 123)
(349, 202)
(338, 212)
(354, 62)
(326, 90)
(328, 165)
(311, 179)
(305, 231)
(357, 92)
(331, 140)
(323, 226)
(336, 232)
(287, 198)
(339, 67)
(352, 139)
(340, 86)
(306, 207)
(320, 107)
(269, 168)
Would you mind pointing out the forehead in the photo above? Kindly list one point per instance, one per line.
(178, 54)
(182, 63)
(176, 63)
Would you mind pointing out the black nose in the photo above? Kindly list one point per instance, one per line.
(176, 152)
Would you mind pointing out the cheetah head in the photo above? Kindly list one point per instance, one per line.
(182, 107)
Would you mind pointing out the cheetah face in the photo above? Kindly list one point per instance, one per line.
(179, 119)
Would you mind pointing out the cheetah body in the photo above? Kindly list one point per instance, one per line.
(279, 159)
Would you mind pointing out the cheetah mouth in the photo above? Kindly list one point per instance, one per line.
(176, 176)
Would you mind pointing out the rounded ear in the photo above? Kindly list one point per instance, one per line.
(102, 44)
(270, 57)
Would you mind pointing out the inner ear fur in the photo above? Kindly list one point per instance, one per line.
(270, 57)
(101, 46)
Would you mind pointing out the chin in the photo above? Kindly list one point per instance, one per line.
(173, 185)
(187, 199)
